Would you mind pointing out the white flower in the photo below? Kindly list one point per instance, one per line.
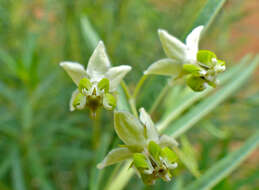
(177, 52)
(151, 153)
(97, 82)
(200, 66)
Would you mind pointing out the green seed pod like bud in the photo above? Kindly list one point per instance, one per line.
(104, 84)
(109, 102)
(78, 100)
(193, 69)
(140, 161)
(84, 83)
(205, 58)
(154, 149)
(196, 83)
(169, 154)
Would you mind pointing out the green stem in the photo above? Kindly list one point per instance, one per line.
(160, 97)
(131, 100)
(139, 85)
(96, 130)
(122, 178)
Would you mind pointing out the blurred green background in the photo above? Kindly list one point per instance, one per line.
(44, 146)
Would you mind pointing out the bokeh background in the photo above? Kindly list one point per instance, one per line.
(44, 146)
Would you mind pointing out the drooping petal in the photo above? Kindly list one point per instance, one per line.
(73, 97)
(192, 42)
(167, 67)
(151, 130)
(75, 70)
(116, 74)
(128, 128)
(115, 156)
(98, 63)
(173, 47)
(167, 141)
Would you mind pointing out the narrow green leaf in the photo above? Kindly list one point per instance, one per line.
(187, 156)
(208, 13)
(5, 166)
(96, 174)
(37, 169)
(28, 52)
(9, 61)
(17, 172)
(89, 34)
(207, 105)
(225, 166)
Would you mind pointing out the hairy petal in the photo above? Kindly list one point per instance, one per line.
(73, 97)
(115, 156)
(192, 42)
(173, 47)
(98, 63)
(116, 74)
(129, 129)
(168, 141)
(75, 70)
(151, 130)
(167, 67)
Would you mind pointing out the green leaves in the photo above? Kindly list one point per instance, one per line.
(225, 166)
(208, 13)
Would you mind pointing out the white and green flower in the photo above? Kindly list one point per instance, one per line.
(201, 66)
(151, 154)
(96, 84)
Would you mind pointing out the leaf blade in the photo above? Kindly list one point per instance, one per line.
(225, 166)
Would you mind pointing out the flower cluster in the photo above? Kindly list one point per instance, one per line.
(200, 66)
(95, 85)
(152, 155)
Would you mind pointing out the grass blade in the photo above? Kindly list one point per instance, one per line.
(96, 174)
(89, 34)
(225, 166)
(207, 14)
(17, 173)
(37, 169)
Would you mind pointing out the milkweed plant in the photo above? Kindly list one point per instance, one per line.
(152, 155)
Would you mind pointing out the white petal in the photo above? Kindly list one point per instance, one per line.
(98, 63)
(129, 129)
(116, 74)
(82, 103)
(173, 47)
(167, 141)
(151, 130)
(167, 67)
(114, 156)
(75, 70)
(192, 42)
